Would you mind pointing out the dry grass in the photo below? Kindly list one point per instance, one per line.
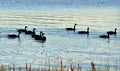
(28, 67)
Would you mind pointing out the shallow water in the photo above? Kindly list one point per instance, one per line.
(68, 45)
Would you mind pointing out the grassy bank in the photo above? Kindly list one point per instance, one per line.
(30, 67)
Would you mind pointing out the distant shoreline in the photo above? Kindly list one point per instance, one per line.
(59, 10)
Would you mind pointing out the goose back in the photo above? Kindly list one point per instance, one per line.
(69, 29)
(40, 37)
(112, 32)
(84, 32)
(22, 30)
(14, 35)
(30, 32)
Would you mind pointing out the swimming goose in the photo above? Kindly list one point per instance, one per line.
(14, 35)
(33, 32)
(22, 30)
(40, 37)
(28, 32)
(72, 28)
(84, 32)
(105, 36)
(112, 32)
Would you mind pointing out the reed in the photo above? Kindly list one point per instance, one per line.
(38, 69)
(28, 67)
(93, 66)
(2, 67)
(61, 64)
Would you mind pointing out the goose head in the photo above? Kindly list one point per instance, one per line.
(25, 28)
(34, 29)
(88, 29)
(75, 24)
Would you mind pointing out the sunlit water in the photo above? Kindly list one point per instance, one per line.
(68, 45)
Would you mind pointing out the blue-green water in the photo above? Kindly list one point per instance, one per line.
(68, 45)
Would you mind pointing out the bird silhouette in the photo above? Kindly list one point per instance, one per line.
(40, 37)
(14, 35)
(112, 32)
(84, 32)
(22, 30)
(105, 36)
(72, 29)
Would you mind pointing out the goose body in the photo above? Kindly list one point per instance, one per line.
(22, 30)
(84, 32)
(43, 38)
(104, 36)
(14, 35)
(112, 32)
(71, 29)
(40, 37)
(30, 32)
(33, 34)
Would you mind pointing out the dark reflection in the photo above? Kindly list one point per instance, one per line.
(16, 39)
(13, 38)
(40, 41)
(105, 36)
(87, 35)
(108, 41)
(115, 35)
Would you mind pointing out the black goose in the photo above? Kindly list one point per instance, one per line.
(40, 37)
(104, 36)
(22, 30)
(112, 32)
(84, 32)
(14, 35)
(33, 35)
(72, 29)
(43, 37)
(28, 32)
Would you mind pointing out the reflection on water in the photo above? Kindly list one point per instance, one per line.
(68, 45)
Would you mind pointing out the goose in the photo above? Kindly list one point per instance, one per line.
(37, 36)
(71, 29)
(33, 35)
(43, 37)
(104, 36)
(14, 35)
(112, 32)
(30, 32)
(84, 32)
(40, 37)
(22, 30)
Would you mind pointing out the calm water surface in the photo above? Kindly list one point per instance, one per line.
(68, 45)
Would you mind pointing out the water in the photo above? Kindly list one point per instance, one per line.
(68, 45)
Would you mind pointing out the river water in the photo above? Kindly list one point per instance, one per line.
(71, 47)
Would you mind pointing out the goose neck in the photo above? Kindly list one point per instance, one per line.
(88, 30)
